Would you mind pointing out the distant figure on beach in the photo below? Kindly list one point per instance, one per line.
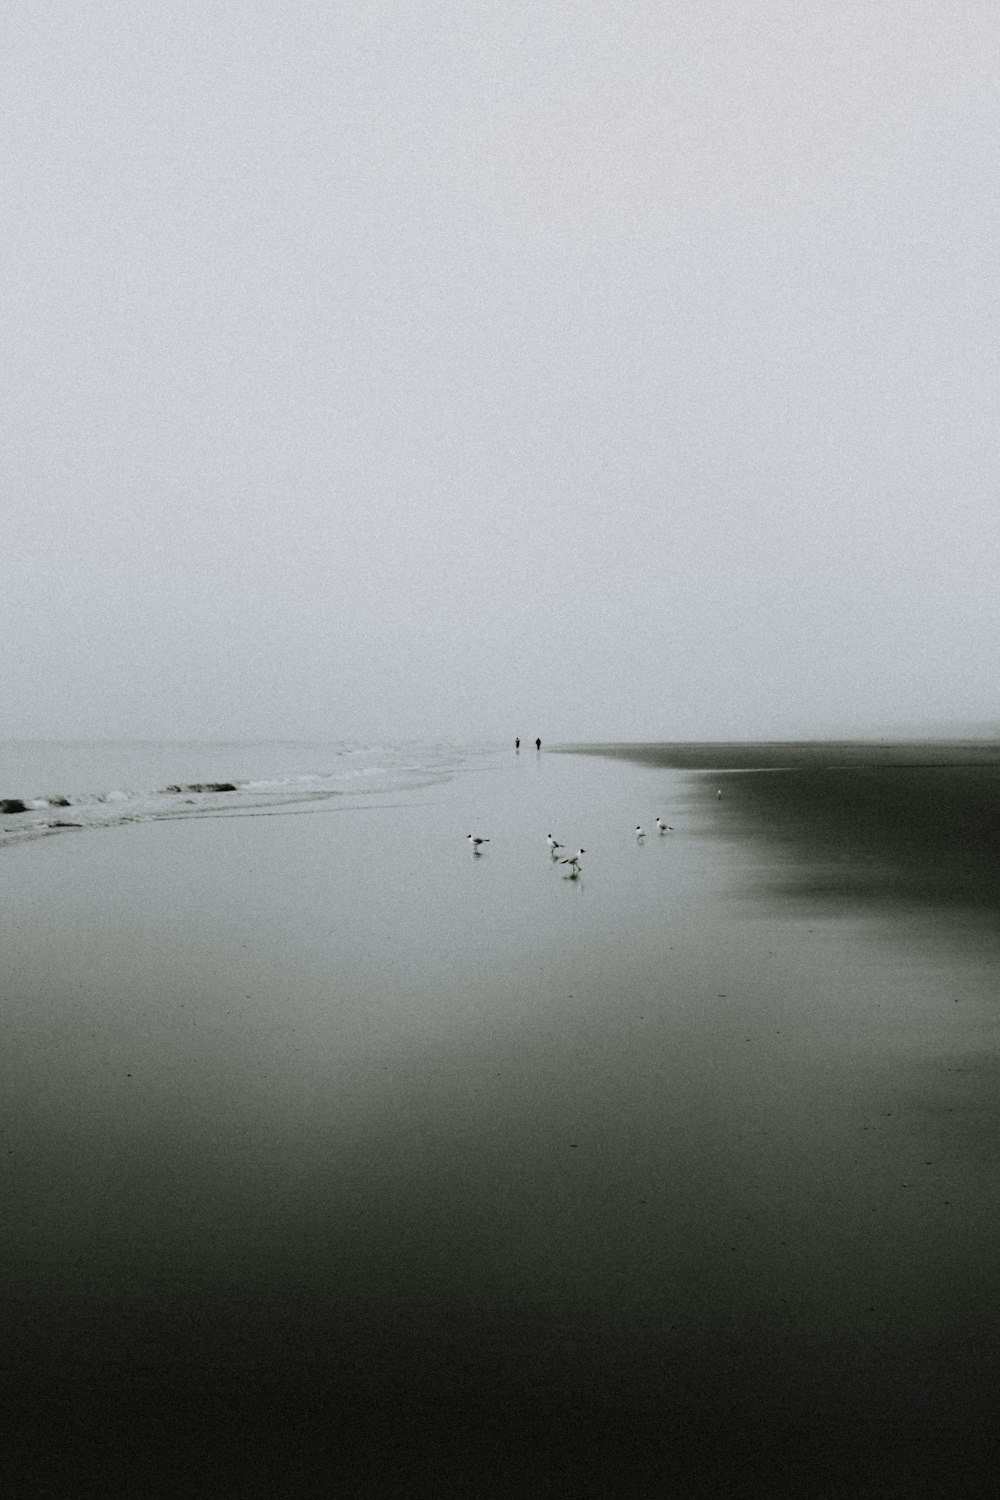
(719, 794)
(517, 744)
(538, 744)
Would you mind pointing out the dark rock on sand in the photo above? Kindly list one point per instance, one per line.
(204, 786)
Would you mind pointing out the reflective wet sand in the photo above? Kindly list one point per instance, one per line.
(339, 1160)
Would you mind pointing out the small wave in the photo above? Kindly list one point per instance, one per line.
(23, 818)
(204, 786)
(282, 782)
(28, 817)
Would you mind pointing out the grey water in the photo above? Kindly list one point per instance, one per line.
(52, 788)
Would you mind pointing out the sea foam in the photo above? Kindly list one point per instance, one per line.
(273, 777)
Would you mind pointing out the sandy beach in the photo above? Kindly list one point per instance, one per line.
(340, 1161)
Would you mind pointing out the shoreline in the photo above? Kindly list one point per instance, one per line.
(913, 825)
(339, 1157)
(117, 784)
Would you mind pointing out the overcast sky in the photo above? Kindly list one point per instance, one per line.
(588, 368)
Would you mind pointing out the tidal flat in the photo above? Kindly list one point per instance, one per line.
(339, 1160)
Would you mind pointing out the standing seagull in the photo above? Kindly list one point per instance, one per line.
(574, 863)
(554, 844)
(640, 833)
(663, 827)
(475, 843)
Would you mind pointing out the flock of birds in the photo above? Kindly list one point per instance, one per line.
(573, 860)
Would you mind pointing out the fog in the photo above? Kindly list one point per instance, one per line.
(471, 369)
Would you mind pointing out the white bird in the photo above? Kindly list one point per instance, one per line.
(475, 843)
(664, 827)
(640, 834)
(554, 844)
(574, 863)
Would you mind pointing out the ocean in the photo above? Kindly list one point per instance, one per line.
(49, 787)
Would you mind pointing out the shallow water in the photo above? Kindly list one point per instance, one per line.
(58, 789)
(339, 1156)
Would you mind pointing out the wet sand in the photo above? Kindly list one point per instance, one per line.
(340, 1161)
(905, 824)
